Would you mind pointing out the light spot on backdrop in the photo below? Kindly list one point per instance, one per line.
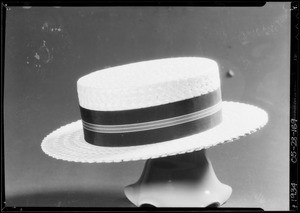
(47, 27)
(40, 57)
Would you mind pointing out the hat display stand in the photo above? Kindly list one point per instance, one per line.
(185, 180)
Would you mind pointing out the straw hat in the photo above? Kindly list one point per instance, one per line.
(151, 109)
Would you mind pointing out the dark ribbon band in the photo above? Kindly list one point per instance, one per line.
(152, 124)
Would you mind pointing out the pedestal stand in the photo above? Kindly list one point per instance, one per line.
(186, 180)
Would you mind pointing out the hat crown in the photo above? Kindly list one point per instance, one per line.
(148, 83)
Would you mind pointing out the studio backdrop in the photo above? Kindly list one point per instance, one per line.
(47, 49)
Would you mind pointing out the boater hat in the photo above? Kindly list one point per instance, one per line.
(151, 109)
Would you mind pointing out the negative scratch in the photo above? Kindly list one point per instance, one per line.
(274, 27)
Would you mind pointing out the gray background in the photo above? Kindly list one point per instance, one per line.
(48, 49)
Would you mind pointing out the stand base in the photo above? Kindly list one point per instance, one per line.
(186, 180)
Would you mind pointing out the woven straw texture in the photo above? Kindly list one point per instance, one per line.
(67, 142)
(148, 83)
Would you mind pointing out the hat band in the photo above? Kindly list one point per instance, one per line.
(152, 124)
(124, 128)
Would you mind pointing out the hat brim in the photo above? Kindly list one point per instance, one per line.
(239, 119)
